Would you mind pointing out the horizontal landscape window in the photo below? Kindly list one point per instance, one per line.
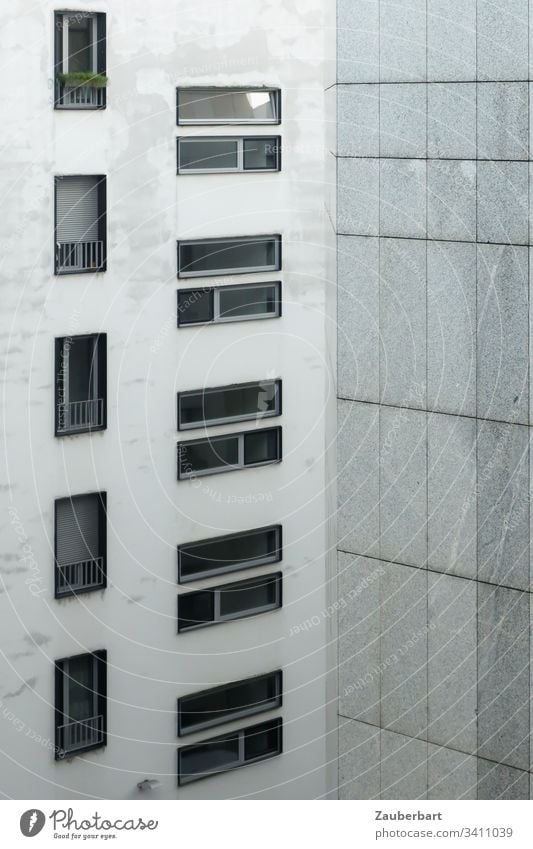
(80, 384)
(229, 702)
(228, 154)
(245, 254)
(80, 544)
(80, 703)
(229, 553)
(228, 106)
(218, 454)
(239, 748)
(228, 404)
(229, 601)
(220, 304)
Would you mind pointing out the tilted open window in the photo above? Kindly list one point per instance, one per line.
(229, 553)
(239, 402)
(228, 105)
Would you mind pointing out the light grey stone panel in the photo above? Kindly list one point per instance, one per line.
(502, 39)
(359, 767)
(403, 120)
(503, 504)
(359, 637)
(358, 41)
(403, 322)
(404, 650)
(452, 501)
(502, 202)
(358, 477)
(502, 120)
(499, 782)
(502, 345)
(403, 198)
(451, 39)
(403, 41)
(451, 775)
(358, 197)
(503, 673)
(451, 327)
(452, 120)
(358, 120)
(403, 767)
(403, 470)
(452, 200)
(452, 662)
(358, 317)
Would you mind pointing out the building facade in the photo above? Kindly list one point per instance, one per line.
(164, 283)
(434, 399)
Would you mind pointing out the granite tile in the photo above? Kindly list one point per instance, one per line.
(452, 120)
(403, 198)
(502, 214)
(358, 477)
(403, 120)
(499, 782)
(502, 120)
(404, 768)
(359, 761)
(451, 774)
(403, 41)
(358, 41)
(452, 200)
(358, 197)
(358, 120)
(502, 39)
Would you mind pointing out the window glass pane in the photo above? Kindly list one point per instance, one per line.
(248, 595)
(260, 447)
(236, 302)
(195, 609)
(262, 740)
(222, 105)
(213, 755)
(213, 256)
(238, 402)
(220, 704)
(79, 681)
(225, 553)
(195, 305)
(208, 454)
(260, 153)
(203, 154)
(81, 368)
(80, 43)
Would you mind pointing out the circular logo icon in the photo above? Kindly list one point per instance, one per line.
(32, 822)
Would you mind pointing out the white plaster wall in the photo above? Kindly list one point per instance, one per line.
(151, 49)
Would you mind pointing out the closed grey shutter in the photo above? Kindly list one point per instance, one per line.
(77, 529)
(77, 209)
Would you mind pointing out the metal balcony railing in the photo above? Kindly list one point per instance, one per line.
(79, 256)
(80, 415)
(87, 574)
(78, 735)
(79, 97)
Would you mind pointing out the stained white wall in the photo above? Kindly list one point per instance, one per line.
(151, 49)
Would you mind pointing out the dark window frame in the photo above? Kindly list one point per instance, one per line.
(230, 420)
(217, 318)
(101, 57)
(228, 121)
(240, 735)
(101, 382)
(102, 225)
(101, 495)
(274, 703)
(241, 140)
(276, 238)
(240, 437)
(101, 698)
(274, 578)
(238, 566)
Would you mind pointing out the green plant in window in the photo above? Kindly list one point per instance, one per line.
(79, 78)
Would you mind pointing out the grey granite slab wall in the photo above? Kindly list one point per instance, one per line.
(434, 141)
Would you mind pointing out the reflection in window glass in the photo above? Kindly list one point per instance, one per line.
(228, 106)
